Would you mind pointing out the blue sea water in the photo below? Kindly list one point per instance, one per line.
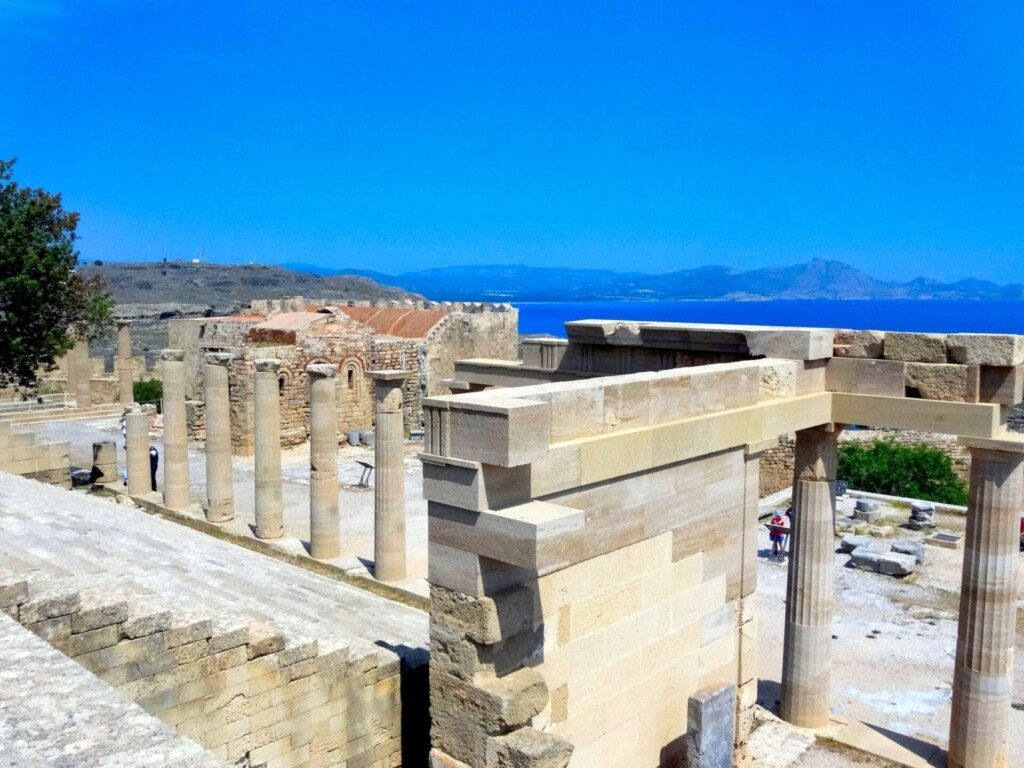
(936, 315)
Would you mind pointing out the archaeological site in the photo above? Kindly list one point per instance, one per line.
(381, 534)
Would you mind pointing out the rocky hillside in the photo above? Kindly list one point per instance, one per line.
(224, 288)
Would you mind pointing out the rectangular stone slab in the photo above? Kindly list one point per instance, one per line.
(968, 419)
(866, 376)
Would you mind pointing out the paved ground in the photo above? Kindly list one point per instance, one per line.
(895, 640)
(356, 504)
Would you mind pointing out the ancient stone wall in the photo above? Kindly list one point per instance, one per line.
(462, 336)
(21, 454)
(392, 354)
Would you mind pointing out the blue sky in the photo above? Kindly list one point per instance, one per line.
(651, 136)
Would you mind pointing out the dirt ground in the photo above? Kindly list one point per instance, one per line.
(895, 639)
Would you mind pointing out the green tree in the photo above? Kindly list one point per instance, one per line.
(918, 471)
(44, 304)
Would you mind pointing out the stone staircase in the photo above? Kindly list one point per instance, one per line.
(253, 658)
(60, 413)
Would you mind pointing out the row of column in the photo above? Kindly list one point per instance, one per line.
(325, 534)
(983, 673)
(79, 369)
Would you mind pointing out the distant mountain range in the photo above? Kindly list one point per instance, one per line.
(817, 279)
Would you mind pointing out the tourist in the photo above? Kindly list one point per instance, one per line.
(154, 461)
(778, 538)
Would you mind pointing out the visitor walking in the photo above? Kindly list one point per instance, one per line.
(154, 462)
(778, 538)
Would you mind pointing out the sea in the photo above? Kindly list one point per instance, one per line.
(933, 315)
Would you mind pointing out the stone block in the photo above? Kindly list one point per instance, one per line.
(866, 377)
(777, 380)
(1002, 385)
(866, 505)
(908, 547)
(710, 728)
(496, 705)
(897, 564)
(528, 748)
(484, 620)
(986, 348)
(945, 540)
(915, 347)
(860, 344)
(944, 381)
(865, 558)
(506, 432)
(851, 541)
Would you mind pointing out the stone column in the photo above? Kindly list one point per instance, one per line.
(137, 450)
(269, 505)
(125, 374)
(389, 555)
(175, 459)
(807, 649)
(324, 526)
(83, 375)
(983, 674)
(220, 495)
(104, 462)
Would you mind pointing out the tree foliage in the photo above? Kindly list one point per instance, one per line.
(919, 471)
(148, 391)
(44, 304)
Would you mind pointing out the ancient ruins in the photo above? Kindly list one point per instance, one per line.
(593, 559)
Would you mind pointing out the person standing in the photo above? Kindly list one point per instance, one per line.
(778, 538)
(154, 462)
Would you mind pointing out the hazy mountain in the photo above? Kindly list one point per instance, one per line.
(817, 279)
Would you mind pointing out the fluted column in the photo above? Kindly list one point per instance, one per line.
(125, 374)
(83, 375)
(269, 505)
(389, 555)
(220, 494)
(983, 673)
(137, 453)
(176, 484)
(324, 525)
(807, 649)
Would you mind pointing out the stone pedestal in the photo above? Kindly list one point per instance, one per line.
(175, 460)
(324, 526)
(983, 672)
(83, 375)
(125, 374)
(104, 462)
(269, 505)
(807, 649)
(137, 452)
(220, 495)
(389, 555)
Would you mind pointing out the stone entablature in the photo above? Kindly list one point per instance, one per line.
(559, 511)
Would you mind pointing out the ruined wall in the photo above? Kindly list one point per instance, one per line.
(463, 336)
(390, 354)
(21, 454)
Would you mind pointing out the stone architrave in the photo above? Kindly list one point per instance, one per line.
(807, 646)
(175, 459)
(220, 496)
(983, 674)
(324, 524)
(125, 374)
(137, 453)
(83, 374)
(269, 504)
(389, 552)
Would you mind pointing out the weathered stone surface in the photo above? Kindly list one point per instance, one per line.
(915, 347)
(866, 376)
(497, 705)
(777, 380)
(907, 547)
(852, 541)
(864, 344)
(897, 564)
(871, 515)
(710, 726)
(866, 505)
(999, 384)
(528, 748)
(865, 558)
(986, 348)
(943, 381)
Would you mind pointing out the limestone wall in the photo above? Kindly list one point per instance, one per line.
(20, 454)
(463, 336)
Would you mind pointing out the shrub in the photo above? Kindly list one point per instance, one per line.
(918, 471)
(148, 391)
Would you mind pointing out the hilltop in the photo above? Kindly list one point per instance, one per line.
(224, 288)
(816, 279)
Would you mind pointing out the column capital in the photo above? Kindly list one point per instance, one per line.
(218, 358)
(389, 378)
(173, 355)
(322, 370)
(1011, 444)
(267, 365)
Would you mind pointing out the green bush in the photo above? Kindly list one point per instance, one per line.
(148, 391)
(919, 471)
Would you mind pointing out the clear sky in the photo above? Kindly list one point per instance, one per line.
(634, 135)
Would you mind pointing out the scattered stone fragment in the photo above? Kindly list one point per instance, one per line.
(865, 558)
(867, 515)
(866, 505)
(908, 547)
(851, 542)
(896, 564)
